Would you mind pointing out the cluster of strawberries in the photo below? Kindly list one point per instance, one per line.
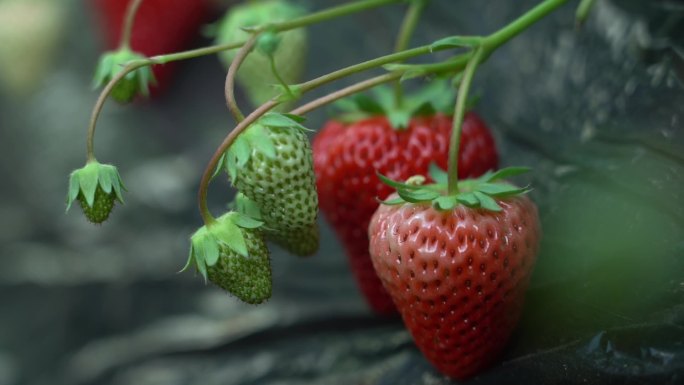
(454, 266)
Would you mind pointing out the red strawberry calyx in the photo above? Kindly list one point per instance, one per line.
(135, 83)
(256, 139)
(96, 186)
(207, 242)
(474, 193)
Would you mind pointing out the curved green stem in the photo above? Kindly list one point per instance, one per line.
(127, 28)
(90, 147)
(520, 24)
(240, 57)
(339, 94)
(459, 113)
(227, 142)
(408, 26)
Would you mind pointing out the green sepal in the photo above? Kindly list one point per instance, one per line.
(456, 42)
(418, 196)
(469, 199)
(206, 243)
(84, 181)
(135, 82)
(445, 203)
(391, 202)
(486, 202)
(274, 119)
(229, 233)
(436, 96)
(504, 173)
(474, 193)
(437, 174)
(501, 189)
(246, 206)
(395, 184)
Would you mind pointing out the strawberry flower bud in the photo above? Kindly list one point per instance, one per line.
(96, 187)
(231, 253)
(134, 83)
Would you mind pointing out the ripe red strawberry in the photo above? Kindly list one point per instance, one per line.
(346, 158)
(458, 276)
(160, 27)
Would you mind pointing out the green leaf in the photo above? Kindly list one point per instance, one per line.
(456, 42)
(469, 199)
(446, 203)
(505, 173)
(74, 189)
(230, 234)
(486, 202)
(437, 174)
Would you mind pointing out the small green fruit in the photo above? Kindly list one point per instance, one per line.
(135, 83)
(96, 187)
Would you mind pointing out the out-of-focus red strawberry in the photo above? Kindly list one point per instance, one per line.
(160, 27)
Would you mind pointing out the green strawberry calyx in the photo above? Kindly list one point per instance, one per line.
(474, 193)
(135, 83)
(85, 181)
(226, 231)
(256, 139)
(436, 97)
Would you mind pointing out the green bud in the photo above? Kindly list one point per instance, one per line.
(96, 187)
(134, 83)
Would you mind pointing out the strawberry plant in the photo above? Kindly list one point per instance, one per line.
(454, 255)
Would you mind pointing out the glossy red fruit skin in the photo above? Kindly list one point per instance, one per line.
(160, 27)
(458, 278)
(346, 158)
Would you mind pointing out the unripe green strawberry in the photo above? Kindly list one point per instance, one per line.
(246, 277)
(101, 207)
(133, 84)
(271, 164)
(96, 187)
(231, 253)
(255, 74)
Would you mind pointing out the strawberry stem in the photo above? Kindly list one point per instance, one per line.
(459, 113)
(408, 26)
(240, 57)
(127, 28)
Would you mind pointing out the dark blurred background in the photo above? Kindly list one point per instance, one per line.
(598, 112)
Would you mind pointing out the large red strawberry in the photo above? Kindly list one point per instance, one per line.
(160, 27)
(457, 267)
(347, 156)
